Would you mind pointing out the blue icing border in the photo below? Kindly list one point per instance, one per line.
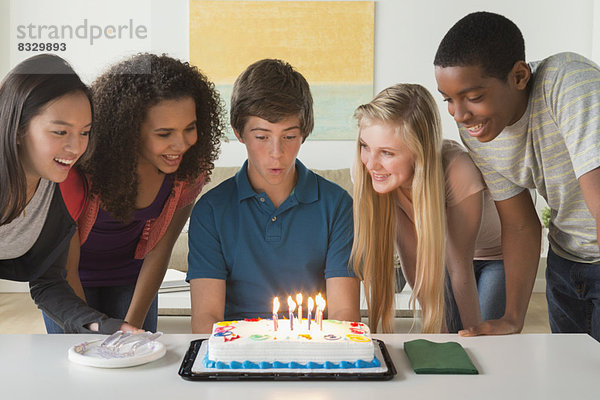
(291, 365)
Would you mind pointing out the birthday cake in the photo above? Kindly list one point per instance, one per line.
(257, 344)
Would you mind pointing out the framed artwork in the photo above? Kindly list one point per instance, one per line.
(330, 43)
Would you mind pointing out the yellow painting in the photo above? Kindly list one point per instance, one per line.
(330, 43)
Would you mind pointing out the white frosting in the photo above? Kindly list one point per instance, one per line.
(258, 342)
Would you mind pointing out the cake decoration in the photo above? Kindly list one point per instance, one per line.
(301, 344)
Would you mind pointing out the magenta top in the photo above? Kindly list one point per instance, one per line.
(107, 256)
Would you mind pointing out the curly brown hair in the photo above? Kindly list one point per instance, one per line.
(121, 98)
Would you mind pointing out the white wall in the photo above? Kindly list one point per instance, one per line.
(407, 33)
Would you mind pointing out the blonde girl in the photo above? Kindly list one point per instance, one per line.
(422, 196)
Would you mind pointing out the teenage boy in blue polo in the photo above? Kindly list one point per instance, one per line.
(533, 125)
(275, 228)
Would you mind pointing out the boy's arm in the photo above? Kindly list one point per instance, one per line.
(208, 303)
(343, 299)
(207, 271)
(590, 188)
(521, 240)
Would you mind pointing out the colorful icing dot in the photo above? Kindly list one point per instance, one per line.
(223, 334)
(332, 337)
(232, 338)
(259, 337)
(252, 319)
(225, 323)
(220, 329)
(358, 331)
(334, 321)
(305, 336)
(358, 338)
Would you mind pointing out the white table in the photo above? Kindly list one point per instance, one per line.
(511, 367)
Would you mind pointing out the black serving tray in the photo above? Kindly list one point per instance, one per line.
(185, 371)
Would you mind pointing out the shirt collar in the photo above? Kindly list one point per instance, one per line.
(305, 191)
(243, 184)
(307, 188)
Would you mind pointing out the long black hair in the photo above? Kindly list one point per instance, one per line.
(24, 93)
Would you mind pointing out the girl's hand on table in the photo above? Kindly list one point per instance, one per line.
(130, 328)
(125, 327)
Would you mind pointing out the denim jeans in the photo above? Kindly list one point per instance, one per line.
(491, 288)
(113, 301)
(573, 294)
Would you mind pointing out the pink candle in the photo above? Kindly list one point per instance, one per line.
(299, 302)
(321, 321)
(311, 304)
(291, 308)
(320, 307)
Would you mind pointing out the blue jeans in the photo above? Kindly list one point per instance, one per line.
(113, 301)
(491, 287)
(573, 294)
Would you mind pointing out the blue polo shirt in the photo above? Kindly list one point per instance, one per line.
(261, 251)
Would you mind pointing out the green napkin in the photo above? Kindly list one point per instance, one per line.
(438, 358)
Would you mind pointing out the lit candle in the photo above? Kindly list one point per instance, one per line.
(275, 310)
(317, 309)
(311, 304)
(291, 307)
(299, 302)
(320, 307)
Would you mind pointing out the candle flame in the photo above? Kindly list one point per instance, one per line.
(275, 305)
(299, 299)
(311, 304)
(320, 301)
(291, 304)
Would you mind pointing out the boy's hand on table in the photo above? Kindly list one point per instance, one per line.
(502, 326)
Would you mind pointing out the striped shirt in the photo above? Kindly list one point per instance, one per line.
(554, 143)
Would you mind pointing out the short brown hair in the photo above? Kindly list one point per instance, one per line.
(272, 90)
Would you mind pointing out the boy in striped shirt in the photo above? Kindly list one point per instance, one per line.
(531, 125)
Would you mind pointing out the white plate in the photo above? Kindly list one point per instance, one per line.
(87, 354)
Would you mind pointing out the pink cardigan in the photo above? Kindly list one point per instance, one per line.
(181, 195)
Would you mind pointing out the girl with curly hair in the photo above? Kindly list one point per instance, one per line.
(157, 129)
(45, 120)
(421, 195)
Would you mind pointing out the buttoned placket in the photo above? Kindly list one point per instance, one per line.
(273, 229)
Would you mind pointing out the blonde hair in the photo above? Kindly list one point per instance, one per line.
(413, 110)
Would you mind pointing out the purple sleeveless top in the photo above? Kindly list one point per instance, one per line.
(107, 256)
